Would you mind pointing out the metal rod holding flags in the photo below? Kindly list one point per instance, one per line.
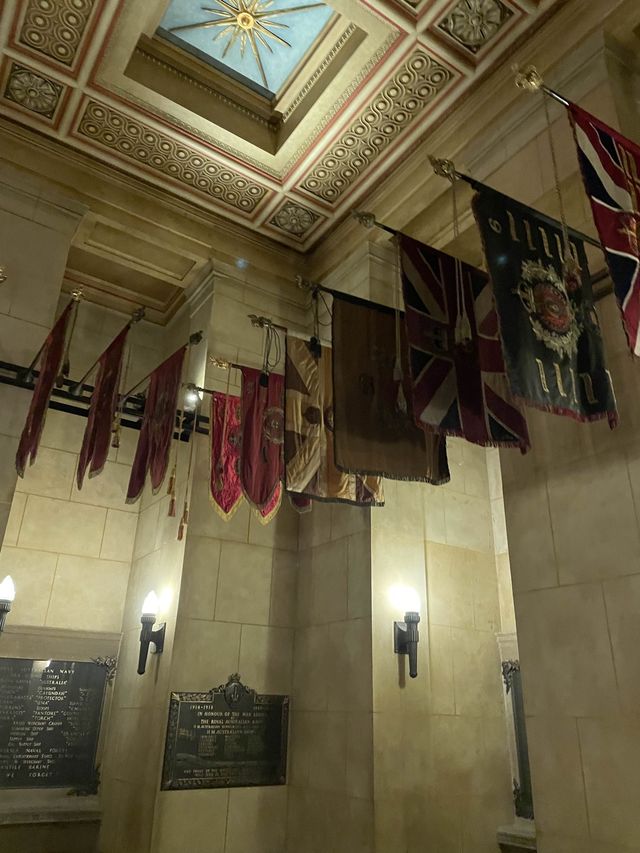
(446, 169)
(531, 80)
(28, 374)
(76, 388)
(259, 322)
(195, 339)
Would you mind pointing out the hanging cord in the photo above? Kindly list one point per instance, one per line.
(273, 345)
(463, 326)
(184, 521)
(225, 423)
(314, 344)
(116, 426)
(176, 442)
(66, 365)
(401, 400)
(171, 490)
(570, 266)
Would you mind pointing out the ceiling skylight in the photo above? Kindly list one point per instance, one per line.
(261, 40)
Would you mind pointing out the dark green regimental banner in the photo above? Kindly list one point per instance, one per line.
(550, 334)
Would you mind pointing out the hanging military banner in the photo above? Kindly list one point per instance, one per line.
(308, 438)
(551, 338)
(459, 386)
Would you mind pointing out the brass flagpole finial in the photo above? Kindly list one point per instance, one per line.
(219, 362)
(306, 284)
(77, 294)
(3, 275)
(444, 168)
(366, 219)
(528, 78)
(138, 314)
(260, 322)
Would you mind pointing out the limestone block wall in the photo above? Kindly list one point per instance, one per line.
(68, 551)
(37, 226)
(236, 613)
(139, 709)
(573, 525)
(331, 766)
(441, 768)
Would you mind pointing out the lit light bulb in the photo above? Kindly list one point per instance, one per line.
(7, 589)
(151, 605)
(192, 396)
(404, 598)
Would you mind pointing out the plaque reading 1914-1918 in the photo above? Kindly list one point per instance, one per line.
(50, 714)
(231, 737)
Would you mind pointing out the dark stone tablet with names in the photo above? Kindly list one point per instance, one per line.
(50, 714)
(229, 737)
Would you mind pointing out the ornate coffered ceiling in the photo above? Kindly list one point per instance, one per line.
(374, 78)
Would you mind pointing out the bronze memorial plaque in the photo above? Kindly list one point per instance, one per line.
(231, 737)
(50, 714)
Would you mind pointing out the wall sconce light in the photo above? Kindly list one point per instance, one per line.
(7, 594)
(405, 639)
(192, 397)
(147, 634)
(405, 634)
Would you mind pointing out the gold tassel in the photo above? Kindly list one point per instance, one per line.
(571, 274)
(184, 521)
(172, 507)
(115, 429)
(171, 490)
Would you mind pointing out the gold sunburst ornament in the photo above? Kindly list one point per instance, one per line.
(248, 23)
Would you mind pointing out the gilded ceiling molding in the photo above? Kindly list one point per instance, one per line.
(473, 23)
(295, 219)
(32, 90)
(196, 132)
(132, 139)
(317, 74)
(413, 86)
(155, 60)
(56, 27)
(355, 84)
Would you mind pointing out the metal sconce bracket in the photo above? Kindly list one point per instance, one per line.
(148, 636)
(5, 607)
(406, 638)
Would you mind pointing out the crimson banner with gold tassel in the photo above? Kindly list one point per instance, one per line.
(102, 409)
(51, 359)
(154, 444)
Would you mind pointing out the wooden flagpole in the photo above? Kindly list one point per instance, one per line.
(76, 388)
(195, 339)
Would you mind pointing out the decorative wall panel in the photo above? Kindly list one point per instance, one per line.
(32, 91)
(56, 27)
(473, 23)
(294, 218)
(134, 140)
(416, 84)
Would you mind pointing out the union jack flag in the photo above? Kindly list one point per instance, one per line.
(459, 387)
(611, 171)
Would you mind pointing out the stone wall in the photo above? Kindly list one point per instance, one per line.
(331, 766)
(442, 779)
(574, 541)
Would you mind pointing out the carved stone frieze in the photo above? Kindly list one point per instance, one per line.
(473, 23)
(32, 91)
(56, 27)
(294, 218)
(135, 140)
(413, 86)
